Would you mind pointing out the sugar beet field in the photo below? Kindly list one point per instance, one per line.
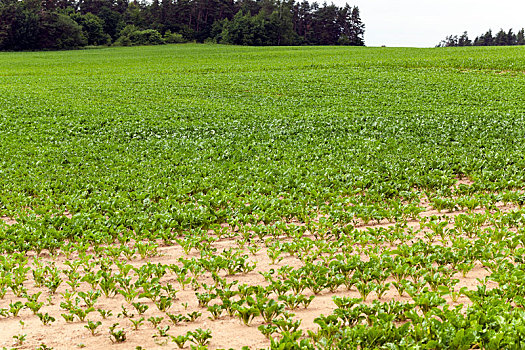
(202, 196)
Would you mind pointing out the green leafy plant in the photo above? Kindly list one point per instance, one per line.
(115, 335)
(92, 326)
(180, 340)
(200, 336)
(19, 339)
(46, 319)
(155, 321)
(137, 323)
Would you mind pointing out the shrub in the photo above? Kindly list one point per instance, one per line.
(131, 35)
(146, 37)
(173, 38)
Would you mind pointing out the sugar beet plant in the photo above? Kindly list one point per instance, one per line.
(384, 178)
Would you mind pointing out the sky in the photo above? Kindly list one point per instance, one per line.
(424, 23)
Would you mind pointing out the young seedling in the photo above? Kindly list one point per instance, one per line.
(193, 316)
(164, 303)
(45, 318)
(176, 319)
(204, 298)
(155, 321)
(137, 323)
(382, 289)
(19, 339)
(92, 326)
(180, 340)
(306, 301)
(105, 313)
(270, 310)
(141, 308)
(365, 288)
(90, 298)
(81, 313)
(246, 313)
(92, 279)
(291, 301)
(68, 317)
(108, 284)
(267, 330)
(125, 313)
(200, 336)
(34, 306)
(14, 308)
(146, 250)
(163, 331)
(216, 311)
(44, 347)
(4, 312)
(53, 282)
(287, 324)
(116, 336)
(129, 295)
(74, 280)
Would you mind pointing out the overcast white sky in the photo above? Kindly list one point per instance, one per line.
(424, 23)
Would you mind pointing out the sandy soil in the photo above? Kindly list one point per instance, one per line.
(227, 332)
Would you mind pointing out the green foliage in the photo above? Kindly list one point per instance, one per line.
(117, 335)
(19, 339)
(59, 31)
(323, 168)
(46, 319)
(29, 24)
(200, 336)
(130, 35)
(180, 340)
(137, 323)
(93, 28)
(173, 38)
(92, 326)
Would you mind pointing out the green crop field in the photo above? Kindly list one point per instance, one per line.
(220, 196)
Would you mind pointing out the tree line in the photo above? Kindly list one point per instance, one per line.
(502, 38)
(65, 24)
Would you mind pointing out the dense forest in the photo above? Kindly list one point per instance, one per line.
(502, 38)
(64, 24)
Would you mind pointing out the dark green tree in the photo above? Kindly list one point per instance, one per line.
(520, 37)
(501, 38)
(20, 23)
(302, 20)
(93, 28)
(59, 31)
(36, 24)
(353, 28)
(464, 40)
(511, 38)
(112, 20)
(325, 27)
(280, 25)
(488, 39)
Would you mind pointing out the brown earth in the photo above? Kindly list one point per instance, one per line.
(227, 332)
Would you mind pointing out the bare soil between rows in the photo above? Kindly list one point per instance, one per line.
(227, 332)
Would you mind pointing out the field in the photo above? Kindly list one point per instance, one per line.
(202, 196)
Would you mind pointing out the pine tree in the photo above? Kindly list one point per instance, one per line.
(358, 28)
(520, 37)
(488, 39)
(511, 38)
(501, 38)
(464, 40)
